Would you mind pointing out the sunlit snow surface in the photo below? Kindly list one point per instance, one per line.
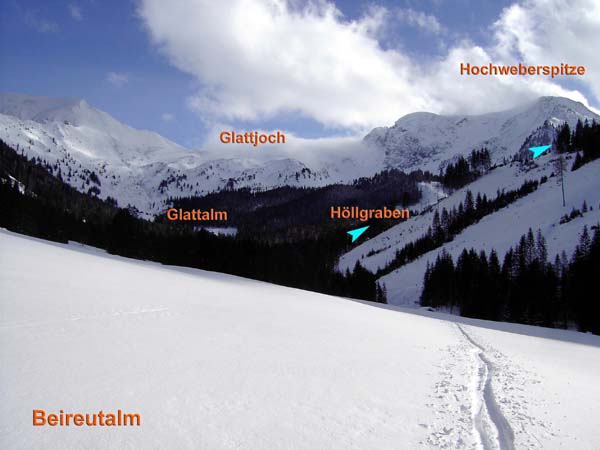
(145, 170)
(541, 209)
(218, 362)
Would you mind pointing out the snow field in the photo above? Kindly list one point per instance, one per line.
(541, 209)
(212, 361)
(209, 361)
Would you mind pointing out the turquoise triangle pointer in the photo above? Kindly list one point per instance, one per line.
(356, 233)
(537, 151)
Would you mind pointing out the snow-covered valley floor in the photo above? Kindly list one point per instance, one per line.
(215, 362)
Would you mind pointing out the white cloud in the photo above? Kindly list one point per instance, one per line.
(553, 32)
(75, 12)
(421, 20)
(479, 94)
(117, 79)
(342, 156)
(38, 23)
(259, 58)
(167, 117)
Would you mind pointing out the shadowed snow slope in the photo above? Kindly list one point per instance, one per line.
(217, 362)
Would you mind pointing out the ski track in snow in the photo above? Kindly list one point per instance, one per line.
(225, 351)
(469, 414)
(514, 384)
(492, 428)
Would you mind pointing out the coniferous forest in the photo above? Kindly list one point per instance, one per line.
(463, 171)
(584, 140)
(35, 203)
(450, 223)
(525, 287)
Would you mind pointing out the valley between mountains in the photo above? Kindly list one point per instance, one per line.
(469, 183)
(116, 313)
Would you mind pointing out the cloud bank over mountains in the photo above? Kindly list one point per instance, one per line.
(257, 59)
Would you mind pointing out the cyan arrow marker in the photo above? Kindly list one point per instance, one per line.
(356, 233)
(537, 151)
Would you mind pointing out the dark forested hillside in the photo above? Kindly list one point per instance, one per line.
(448, 224)
(35, 203)
(463, 171)
(286, 207)
(525, 288)
(584, 140)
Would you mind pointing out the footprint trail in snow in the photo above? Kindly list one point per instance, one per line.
(492, 428)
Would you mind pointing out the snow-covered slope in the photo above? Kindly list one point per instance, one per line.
(217, 362)
(135, 167)
(427, 141)
(93, 152)
(541, 209)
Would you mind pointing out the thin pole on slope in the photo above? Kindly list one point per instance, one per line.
(562, 180)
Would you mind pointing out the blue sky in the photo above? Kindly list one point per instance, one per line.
(74, 57)
(121, 60)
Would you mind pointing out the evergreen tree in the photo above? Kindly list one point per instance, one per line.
(469, 204)
(526, 289)
(495, 294)
(577, 139)
(563, 139)
(541, 251)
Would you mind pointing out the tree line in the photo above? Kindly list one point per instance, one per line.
(36, 203)
(526, 288)
(284, 207)
(464, 171)
(449, 223)
(584, 140)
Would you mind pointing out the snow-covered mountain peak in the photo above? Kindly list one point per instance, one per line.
(39, 109)
(96, 153)
(428, 141)
(144, 169)
(72, 112)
